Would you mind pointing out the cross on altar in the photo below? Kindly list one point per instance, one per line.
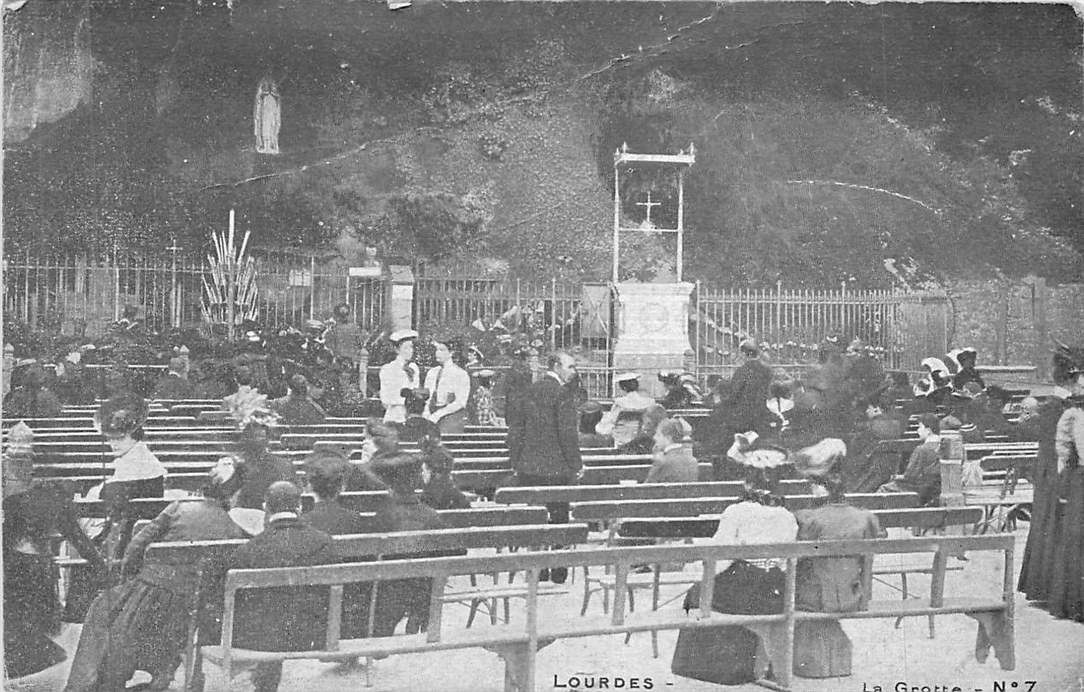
(626, 160)
(647, 207)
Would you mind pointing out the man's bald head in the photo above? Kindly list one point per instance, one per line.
(282, 496)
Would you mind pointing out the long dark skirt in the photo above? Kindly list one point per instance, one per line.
(1067, 571)
(727, 655)
(130, 627)
(31, 613)
(1038, 559)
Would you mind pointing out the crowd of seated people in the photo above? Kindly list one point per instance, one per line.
(848, 396)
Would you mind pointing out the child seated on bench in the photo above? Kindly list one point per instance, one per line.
(923, 472)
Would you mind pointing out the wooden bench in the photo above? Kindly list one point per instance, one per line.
(540, 495)
(615, 516)
(376, 546)
(912, 517)
(593, 475)
(363, 503)
(518, 644)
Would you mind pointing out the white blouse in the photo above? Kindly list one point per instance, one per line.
(136, 464)
(751, 523)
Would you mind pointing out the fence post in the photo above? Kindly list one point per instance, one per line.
(116, 284)
(553, 314)
(312, 290)
(1042, 362)
(778, 312)
(1002, 326)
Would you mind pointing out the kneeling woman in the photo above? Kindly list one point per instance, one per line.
(727, 655)
(142, 624)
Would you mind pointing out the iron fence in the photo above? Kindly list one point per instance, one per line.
(791, 325)
(84, 296)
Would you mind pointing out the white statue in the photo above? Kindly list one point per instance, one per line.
(266, 117)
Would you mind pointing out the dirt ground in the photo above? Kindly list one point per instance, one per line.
(1049, 652)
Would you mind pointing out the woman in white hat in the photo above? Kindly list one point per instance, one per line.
(401, 373)
(622, 421)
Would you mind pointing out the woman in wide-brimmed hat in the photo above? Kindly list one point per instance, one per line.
(727, 655)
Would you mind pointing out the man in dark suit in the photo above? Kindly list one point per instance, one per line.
(262, 468)
(287, 618)
(297, 407)
(545, 438)
(403, 598)
(174, 385)
(326, 472)
(749, 390)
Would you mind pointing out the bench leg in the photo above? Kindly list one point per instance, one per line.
(475, 603)
(586, 593)
(903, 588)
(518, 666)
(996, 630)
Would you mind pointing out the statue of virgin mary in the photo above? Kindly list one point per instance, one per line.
(266, 117)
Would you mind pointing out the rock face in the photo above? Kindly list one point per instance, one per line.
(499, 144)
(48, 67)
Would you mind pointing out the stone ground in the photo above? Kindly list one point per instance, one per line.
(1049, 652)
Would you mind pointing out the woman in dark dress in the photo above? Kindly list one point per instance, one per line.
(1037, 563)
(1066, 599)
(32, 516)
(142, 624)
(438, 489)
(833, 585)
(727, 655)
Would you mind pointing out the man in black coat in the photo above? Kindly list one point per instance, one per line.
(282, 618)
(403, 598)
(326, 472)
(749, 390)
(262, 468)
(544, 442)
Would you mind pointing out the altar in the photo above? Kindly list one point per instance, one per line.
(652, 315)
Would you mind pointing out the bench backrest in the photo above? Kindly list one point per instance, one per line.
(535, 495)
(691, 507)
(915, 517)
(593, 475)
(374, 544)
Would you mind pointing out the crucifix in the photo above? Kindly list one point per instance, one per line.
(647, 208)
(626, 160)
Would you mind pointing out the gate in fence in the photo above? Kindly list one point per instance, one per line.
(572, 316)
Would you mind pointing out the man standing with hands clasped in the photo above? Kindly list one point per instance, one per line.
(543, 443)
(450, 385)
